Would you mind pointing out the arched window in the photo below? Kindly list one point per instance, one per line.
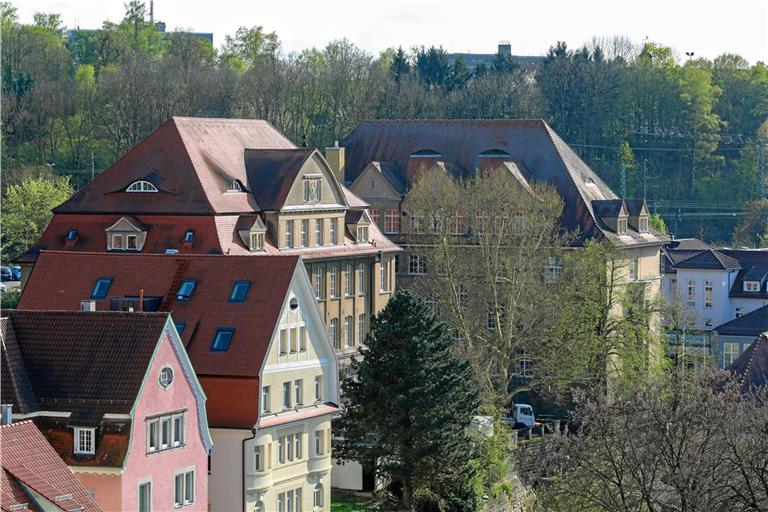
(494, 153)
(235, 186)
(426, 153)
(318, 497)
(141, 186)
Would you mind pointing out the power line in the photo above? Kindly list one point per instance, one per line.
(648, 149)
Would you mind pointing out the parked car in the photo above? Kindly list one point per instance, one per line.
(3, 288)
(6, 274)
(16, 272)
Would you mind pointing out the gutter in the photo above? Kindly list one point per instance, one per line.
(253, 436)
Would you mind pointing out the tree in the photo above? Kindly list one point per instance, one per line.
(409, 405)
(248, 47)
(459, 74)
(753, 231)
(27, 211)
(433, 67)
(400, 65)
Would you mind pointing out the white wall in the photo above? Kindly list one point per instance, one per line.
(720, 312)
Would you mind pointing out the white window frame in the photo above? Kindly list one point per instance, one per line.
(259, 460)
(751, 286)
(709, 287)
(183, 475)
(362, 234)
(257, 241)
(141, 483)
(318, 388)
(265, 399)
(141, 186)
(319, 232)
(289, 234)
(318, 278)
(83, 437)
(731, 352)
(643, 225)
(416, 265)
(318, 496)
(305, 232)
(128, 239)
(362, 324)
(739, 312)
(621, 226)
(384, 274)
(309, 197)
(691, 297)
(333, 227)
(349, 332)
(553, 269)
(113, 245)
(361, 286)
(633, 269)
(333, 332)
(298, 392)
(286, 395)
(333, 275)
(319, 443)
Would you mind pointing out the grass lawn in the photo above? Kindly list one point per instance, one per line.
(342, 502)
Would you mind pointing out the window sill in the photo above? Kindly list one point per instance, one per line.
(167, 449)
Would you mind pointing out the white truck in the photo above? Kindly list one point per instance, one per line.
(522, 416)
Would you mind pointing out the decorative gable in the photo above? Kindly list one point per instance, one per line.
(358, 222)
(315, 187)
(637, 212)
(127, 234)
(612, 213)
(379, 180)
(252, 231)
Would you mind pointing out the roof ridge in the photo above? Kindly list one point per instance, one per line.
(178, 255)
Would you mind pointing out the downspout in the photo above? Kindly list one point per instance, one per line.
(253, 431)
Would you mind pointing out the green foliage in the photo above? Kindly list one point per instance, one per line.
(753, 231)
(10, 299)
(657, 224)
(27, 211)
(409, 407)
(433, 67)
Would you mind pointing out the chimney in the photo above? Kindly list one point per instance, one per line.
(87, 305)
(336, 161)
(505, 48)
(6, 414)
(141, 299)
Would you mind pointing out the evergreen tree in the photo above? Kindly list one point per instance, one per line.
(459, 74)
(409, 407)
(400, 66)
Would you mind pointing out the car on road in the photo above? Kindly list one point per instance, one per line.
(6, 274)
(16, 272)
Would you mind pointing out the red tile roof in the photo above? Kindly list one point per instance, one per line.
(81, 362)
(29, 461)
(61, 280)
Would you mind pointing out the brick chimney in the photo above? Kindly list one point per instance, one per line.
(505, 48)
(336, 161)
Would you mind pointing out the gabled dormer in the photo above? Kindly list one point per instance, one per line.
(637, 212)
(127, 234)
(613, 213)
(358, 222)
(252, 231)
(753, 280)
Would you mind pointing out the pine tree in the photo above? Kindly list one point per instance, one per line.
(409, 406)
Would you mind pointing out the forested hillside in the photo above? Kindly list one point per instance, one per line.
(685, 130)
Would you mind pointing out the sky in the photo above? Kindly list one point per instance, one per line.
(705, 27)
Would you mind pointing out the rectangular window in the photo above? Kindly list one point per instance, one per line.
(72, 234)
(297, 445)
(349, 339)
(417, 223)
(362, 234)
(186, 289)
(178, 430)
(294, 340)
(318, 388)
(178, 490)
(188, 237)
(457, 223)
(153, 436)
(361, 278)
(633, 269)
(305, 233)
(239, 292)
(289, 500)
(334, 278)
(317, 282)
(518, 224)
(361, 328)
(101, 288)
(708, 288)
(730, 353)
(739, 312)
(189, 487)
(391, 221)
(298, 499)
(281, 502)
(286, 395)
(416, 265)
(281, 450)
(312, 189)
(621, 226)
(298, 391)
(673, 288)
(165, 432)
(117, 242)
(145, 497)
(643, 224)
(317, 496)
(384, 274)
(319, 231)
(751, 286)
(84, 441)
(319, 442)
(333, 332)
(334, 233)
(288, 440)
(691, 293)
(265, 399)
(283, 346)
(289, 233)
(257, 241)
(132, 242)
(552, 269)
(258, 458)
(302, 339)
(375, 215)
(222, 339)
(348, 279)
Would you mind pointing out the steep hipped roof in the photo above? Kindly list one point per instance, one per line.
(754, 263)
(271, 173)
(752, 324)
(81, 362)
(751, 367)
(709, 260)
(531, 143)
(31, 465)
(192, 161)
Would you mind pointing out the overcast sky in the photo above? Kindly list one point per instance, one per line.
(706, 27)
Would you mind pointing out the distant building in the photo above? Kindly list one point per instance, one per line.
(260, 349)
(115, 395)
(751, 368)
(73, 34)
(33, 475)
(732, 339)
(472, 60)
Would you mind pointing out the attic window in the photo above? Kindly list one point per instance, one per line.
(235, 186)
(426, 153)
(643, 225)
(189, 236)
(362, 234)
(141, 186)
(621, 226)
(84, 441)
(101, 288)
(222, 339)
(312, 189)
(72, 234)
(186, 289)
(257, 241)
(239, 292)
(751, 286)
(494, 153)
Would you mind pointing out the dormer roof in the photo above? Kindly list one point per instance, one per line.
(610, 208)
(709, 260)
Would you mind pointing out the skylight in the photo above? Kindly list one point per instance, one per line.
(180, 327)
(239, 291)
(188, 236)
(101, 288)
(72, 234)
(141, 186)
(186, 289)
(222, 339)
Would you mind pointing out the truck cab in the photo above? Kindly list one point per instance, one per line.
(523, 416)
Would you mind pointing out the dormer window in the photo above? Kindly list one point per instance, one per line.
(621, 226)
(257, 241)
(141, 186)
(127, 234)
(85, 441)
(751, 286)
(362, 234)
(312, 188)
(643, 225)
(235, 186)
